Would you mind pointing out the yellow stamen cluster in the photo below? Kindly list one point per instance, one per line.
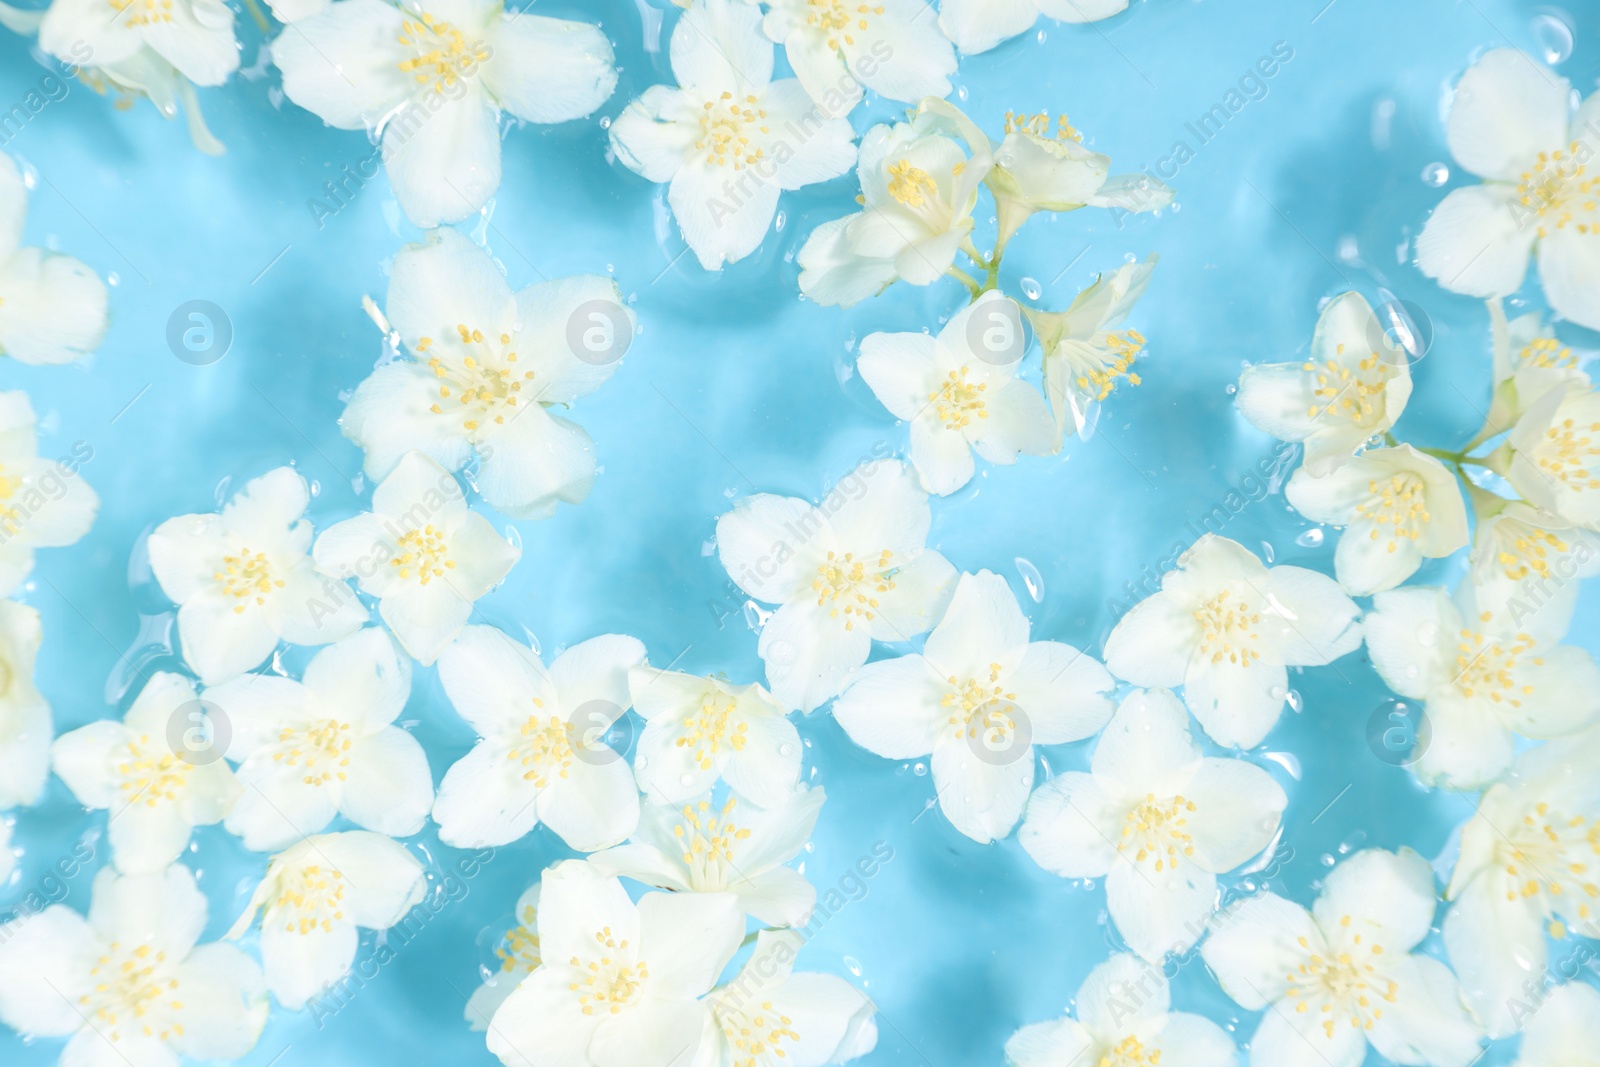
(724, 131)
(1343, 389)
(1130, 1052)
(1398, 502)
(323, 748)
(852, 586)
(1121, 350)
(982, 710)
(707, 839)
(838, 17)
(520, 953)
(712, 728)
(1228, 631)
(480, 376)
(1039, 126)
(310, 898)
(1553, 855)
(1489, 668)
(132, 985)
(545, 747)
(246, 577)
(605, 983)
(1342, 986)
(1159, 829)
(1547, 353)
(149, 773)
(1527, 552)
(758, 1036)
(1567, 452)
(423, 554)
(443, 55)
(1558, 192)
(911, 185)
(142, 12)
(959, 400)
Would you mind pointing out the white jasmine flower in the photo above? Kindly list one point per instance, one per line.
(1342, 975)
(700, 729)
(768, 1015)
(1084, 356)
(978, 25)
(44, 503)
(959, 395)
(422, 552)
(700, 847)
(130, 984)
(729, 138)
(1552, 456)
(892, 47)
(1225, 627)
(1525, 562)
(433, 80)
(487, 366)
(25, 730)
(243, 579)
(518, 953)
(1526, 868)
(849, 570)
(313, 898)
(541, 756)
(1157, 820)
(1124, 1015)
(325, 745)
(52, 307)
(1399, 506)
(1509, 125)
(156, 795)
(977, 699)
(1352, 387)
(620, 985)
(1528, 363)
(1566, 1030)
(918, 187)
(1483, 679)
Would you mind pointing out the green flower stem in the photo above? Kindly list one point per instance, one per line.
(965, 279)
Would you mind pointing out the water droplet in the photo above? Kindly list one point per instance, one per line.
(1031, 578)
(781, 652)
(1554, 36)
(1327, 859)
(605, 122)
(639, 763)
(1231, 388)
(687, 779)
(1296, 701)
(1435, 174)
(919, 768)
(785, 749)
(1030, 288)
(1268, 553)
(854, 965)
(1277, 692)
(780, 220)
(113, 279)
(1311, 538)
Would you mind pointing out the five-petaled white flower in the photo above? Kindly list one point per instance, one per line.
(978, 698)
(1566, 1030)
(518, 953)
(313, 898)
(729, 138)
(841, 48)
(325, 745)
(52, 307)
(620, 984)
(130, 984)
(849, 570)
(422, 552)
(25, 730)
(1352, 386)
(1529, 361)
(1511, 125)
(1524, 562)
(1484, 680)
(157, 792)
(1399, 507)
(1343, 974)
(1157, 820)
(243, 580)
(918, 190)
(1226, 628)
(44, 503)
(978, 25)
(700, 729)
(1124, 1016)
(960, 392)
(768, 1016)
(542, 755)
(704, 847)
(1552, 456)
(1526, 869)
(487, 366)
(433, 79)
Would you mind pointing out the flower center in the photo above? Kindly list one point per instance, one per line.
(322, 748)
(1120, 350)
(151, 773)
(1567, 451)
(1341, 986)
(246, 577)
(759, 1035)
(9, 483)
(312, 898)
(1039, 126)
(133, 985)
(851, 586)
(544, 745)
(606, 983)
(520, 952)
(958, 400)
(1525, 552)
(424, 554)
(1130, 1052)
(1400, 503)
(1547, 353)
(1347, 391)
(1490, 668)
(1158, 828)
(982, 709)
(481, 380)
(712, 727)
(911, 185)
(707, 838)
(1553, 854)
(1557, 192)
(831, 16)
(1228, 629)
(441, 53)
(725, 127)
(143, 12)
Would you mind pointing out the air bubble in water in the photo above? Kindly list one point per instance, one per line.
(1031, 578)
(1553, 33)
(1312, 538)
(1435, 174)
(1030, 288)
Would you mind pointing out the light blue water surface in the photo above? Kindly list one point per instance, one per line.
(736, 386)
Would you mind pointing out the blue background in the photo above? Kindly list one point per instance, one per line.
(735, 386)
